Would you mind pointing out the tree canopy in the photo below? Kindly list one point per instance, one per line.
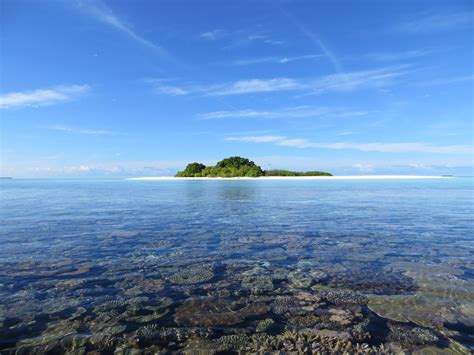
(191, 170)
(237, 167)
(235, 162)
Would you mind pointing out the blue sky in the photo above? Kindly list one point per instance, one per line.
(132, 88)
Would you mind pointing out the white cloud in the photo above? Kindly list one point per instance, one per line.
(399, 56)
(214, 34)
(76, 130)
(256, 139)
(43, 97)
(316, 41)
(444, 81)
(358, 80)
(238, 38)
(296, 143)
(364, 168)
(104, 14)
(290, 112)
(278, 60)
(400, 147)
(415, 147)
(82, 169)
(432, 21)
(350, 81)
(256, 85)
(171, 90)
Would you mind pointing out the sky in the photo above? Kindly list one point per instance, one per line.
(141, 88)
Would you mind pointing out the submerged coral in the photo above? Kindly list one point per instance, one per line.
(192, 275)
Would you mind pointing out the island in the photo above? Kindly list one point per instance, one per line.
(239, 167)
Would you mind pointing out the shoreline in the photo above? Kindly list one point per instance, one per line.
(352, 177)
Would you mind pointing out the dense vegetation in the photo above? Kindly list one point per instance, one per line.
(237, 166)
(295, 173)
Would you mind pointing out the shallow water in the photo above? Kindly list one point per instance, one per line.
(112, 265)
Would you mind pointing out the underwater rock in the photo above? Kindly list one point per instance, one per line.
(150, 285)
(231, 342)
(264, 325)
(270, 239)
(306, 342)
(192, 275)
(284, 304)
(408, 335)
(372, 281)
(147, 333)
(163, 335)
(212, 312)
(417, 308)
(303, 321)
(299, 279)
(109, 305)
(359, 332)
(343, 297)
(304, 279)
(257, 285)
(340, 316)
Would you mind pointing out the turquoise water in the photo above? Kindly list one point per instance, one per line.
(223, 266)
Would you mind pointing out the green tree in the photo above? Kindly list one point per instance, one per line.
(234, 162)
(238, 166)
(191, 170)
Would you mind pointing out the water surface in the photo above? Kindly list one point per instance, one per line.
(222, 266)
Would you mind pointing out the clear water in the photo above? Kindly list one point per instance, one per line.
(112, 265)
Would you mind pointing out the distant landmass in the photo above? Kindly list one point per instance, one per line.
(239, 167)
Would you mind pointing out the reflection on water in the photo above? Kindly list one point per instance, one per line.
(222, 266)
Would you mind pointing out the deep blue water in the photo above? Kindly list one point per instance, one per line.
(67, 246)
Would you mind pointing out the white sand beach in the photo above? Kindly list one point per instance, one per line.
(354, 177)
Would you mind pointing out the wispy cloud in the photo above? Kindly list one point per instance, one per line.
(444, 81)
(277, 60)
(256, 139)
(358, 80)
(77, 130)
(349, 81)
(302, 143)
(238, 38)
(101, 12)
(171, 90)
(435, 21)
(255, 86)
(94, 169)
(43, 97)
(289, 112)
(315, 40)
(400, 55)
(214, 35)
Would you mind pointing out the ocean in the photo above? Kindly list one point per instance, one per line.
(227, 266)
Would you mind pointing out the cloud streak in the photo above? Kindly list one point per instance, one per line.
(447, 81)
(104, 14)
(238, 38)
(255, 86)
(256, 139)
(344, 82)
(413, 147)
(43, 97)
(400, 56)
(316, 41)
(277, 60)
(432, 21)
(290, 112)
(77, 130)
